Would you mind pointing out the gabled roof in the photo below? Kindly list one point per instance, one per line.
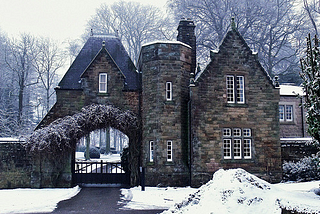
(102, 51)
(229, 40)
(92, 47)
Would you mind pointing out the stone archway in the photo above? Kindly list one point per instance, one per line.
(52, 146)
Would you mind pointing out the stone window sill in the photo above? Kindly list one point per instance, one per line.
(238, 161)
(103, 94)
(287, 123)
(237, 105)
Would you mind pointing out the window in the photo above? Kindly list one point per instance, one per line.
(103, 77)
(289, 111)
(240, 89)
(286, 113)
(169, 91)
(227, 148)
(230, 89)
(237, 148)
(151, 152)
(247, 148)
(227, 132)
(237, 143)
(235, 90)
(169, 150)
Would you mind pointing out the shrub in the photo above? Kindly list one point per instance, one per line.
(93, 152)
(80, 148)
(306, 169)
(103, 150)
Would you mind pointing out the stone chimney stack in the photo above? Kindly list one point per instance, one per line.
(186, 35)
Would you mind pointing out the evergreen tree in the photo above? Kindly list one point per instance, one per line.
(310, 74)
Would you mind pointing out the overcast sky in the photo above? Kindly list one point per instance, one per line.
(57, 19)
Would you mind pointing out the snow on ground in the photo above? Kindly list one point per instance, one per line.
(153, 197)
(114, 158)
(230, 191)
(33, 200)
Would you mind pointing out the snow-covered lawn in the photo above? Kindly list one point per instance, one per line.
(33, 200)
(230, 191)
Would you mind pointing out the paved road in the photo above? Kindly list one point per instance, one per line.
(97, 200)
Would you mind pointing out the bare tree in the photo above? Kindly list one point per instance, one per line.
(269, 26)
(19, 58)
(73, 48)
(8, 110)
(47, 62)
(312, 8)
(134, 23)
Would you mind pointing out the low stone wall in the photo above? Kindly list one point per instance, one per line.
(293, 149)
(15, 165)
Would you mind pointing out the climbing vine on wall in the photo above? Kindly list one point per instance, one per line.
(57, 140)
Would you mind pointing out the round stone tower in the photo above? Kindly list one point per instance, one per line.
(165, 68)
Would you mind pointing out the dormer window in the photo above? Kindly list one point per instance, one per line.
(103, 85)
(235, 89)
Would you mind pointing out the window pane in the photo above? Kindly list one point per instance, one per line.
(237, 149)
(227, 148)
(247, 132)
(169, 150)
(289, 112)
(237, 132)
(169, 91)
(230, 89)
(102, 87)
(227, 132)
(240, 89)
(281, 113)
(247, 148)
(102, 78)
(151, 151)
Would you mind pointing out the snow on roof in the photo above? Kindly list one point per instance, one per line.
(296, 139)
(291, 90)
(166, 42)
(10, 139)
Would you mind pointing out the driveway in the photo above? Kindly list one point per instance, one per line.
(97, 200)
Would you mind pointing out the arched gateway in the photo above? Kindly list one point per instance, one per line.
(54, 145)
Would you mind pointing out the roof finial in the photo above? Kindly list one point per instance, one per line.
(103, 43)
(91, 32)
(276, 82)
(233, 24)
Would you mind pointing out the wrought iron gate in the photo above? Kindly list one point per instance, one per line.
(99, 172)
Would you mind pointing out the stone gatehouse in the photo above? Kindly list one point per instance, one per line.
(192, 122)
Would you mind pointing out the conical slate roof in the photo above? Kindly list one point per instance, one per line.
(92, 47)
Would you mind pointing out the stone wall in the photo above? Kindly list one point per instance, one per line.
(15, 165)
(296, 149)
(211, 113)
(163, 119)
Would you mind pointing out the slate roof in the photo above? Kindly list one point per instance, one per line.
(92, 47)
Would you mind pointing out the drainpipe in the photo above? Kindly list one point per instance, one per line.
(191, 84)
(302, 117)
